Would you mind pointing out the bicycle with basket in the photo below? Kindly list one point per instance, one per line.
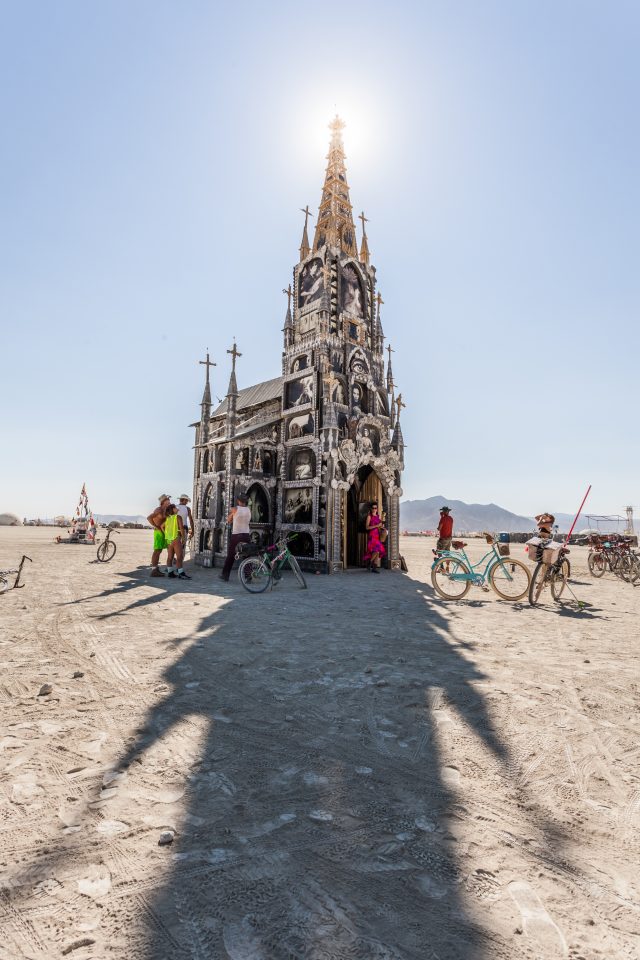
(453, 574)
(552, 569)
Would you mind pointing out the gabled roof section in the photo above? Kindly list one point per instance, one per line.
(252, 396)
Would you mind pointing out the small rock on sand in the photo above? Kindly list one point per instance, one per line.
(166, 837)
(45, 690)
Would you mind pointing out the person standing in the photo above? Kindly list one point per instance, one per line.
(375, 547)
(239, 517)
(445, 529)
(187, 519)
(173, 532)
(156, 519)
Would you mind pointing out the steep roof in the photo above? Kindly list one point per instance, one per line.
(252, 396)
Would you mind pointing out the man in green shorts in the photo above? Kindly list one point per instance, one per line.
(156, 519)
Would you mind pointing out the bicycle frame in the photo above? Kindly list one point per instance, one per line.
(474, 576)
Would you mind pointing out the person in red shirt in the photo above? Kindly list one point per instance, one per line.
(445, 529)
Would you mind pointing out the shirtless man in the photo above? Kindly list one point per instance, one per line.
(156, 519)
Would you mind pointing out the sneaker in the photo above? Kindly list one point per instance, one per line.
(184, 576)
(171, 574)
(156, 573)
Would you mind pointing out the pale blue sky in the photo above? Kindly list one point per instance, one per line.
(154, 159)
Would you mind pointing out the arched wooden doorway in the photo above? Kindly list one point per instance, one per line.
(365, 488)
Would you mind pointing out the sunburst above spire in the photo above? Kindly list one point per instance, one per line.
(335, 218)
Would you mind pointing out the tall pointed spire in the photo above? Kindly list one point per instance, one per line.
(390, 350)
(206, 395)
(364, 246)
(397, 440)
(288, 320)
(335, 219)
(233, 384)
(305, 249)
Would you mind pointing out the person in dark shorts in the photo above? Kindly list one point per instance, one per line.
(239, 517)
(445, 529)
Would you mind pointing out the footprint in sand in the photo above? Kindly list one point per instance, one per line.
(242, 942)
(96, 882)
(536, 922)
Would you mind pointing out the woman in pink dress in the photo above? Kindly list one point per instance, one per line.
(375, 546)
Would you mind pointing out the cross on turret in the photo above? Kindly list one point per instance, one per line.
(234, 354)
(207, 363)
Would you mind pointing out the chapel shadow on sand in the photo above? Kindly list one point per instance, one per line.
(320, 809)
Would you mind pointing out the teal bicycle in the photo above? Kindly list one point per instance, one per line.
(453, 574)
(256, 573)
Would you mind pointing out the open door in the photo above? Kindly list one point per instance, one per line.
(365, 488)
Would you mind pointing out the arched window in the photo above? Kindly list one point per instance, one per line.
(205, 540)
(205, 460)
(302, 464)
(207, 502)
(258, 503)
(302, 545)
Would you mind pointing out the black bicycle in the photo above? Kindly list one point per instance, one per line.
(552, 570)
(5, 574)
(107, 549)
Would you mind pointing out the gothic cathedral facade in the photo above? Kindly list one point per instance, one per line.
(313, 447)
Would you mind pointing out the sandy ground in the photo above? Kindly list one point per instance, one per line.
(358, 770)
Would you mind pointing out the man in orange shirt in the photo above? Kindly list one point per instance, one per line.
(445, 529)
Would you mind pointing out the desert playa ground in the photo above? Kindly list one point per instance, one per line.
(359, 770)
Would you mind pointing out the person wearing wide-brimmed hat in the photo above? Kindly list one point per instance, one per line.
(157, 519)
(445, 529)
(184, 511)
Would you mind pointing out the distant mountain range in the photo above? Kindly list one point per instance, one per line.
(418, 515)
(123, 518)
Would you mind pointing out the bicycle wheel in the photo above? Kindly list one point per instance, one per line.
(106, 551)
(4, 585)
(254, 574)
(510, 579)
(597, 563)
(295, 566)
(635, 568)
(539, 580)
(625, 568)
(558, 580)
(446, 574)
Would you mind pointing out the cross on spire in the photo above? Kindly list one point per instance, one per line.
(234, 354)
(307, 214)
(364, 246)
(390, 349)
(288, 292)
(305, 249)
(400, 405)
(207, 363)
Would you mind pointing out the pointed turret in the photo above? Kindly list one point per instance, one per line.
(364, 246)
(205, 403)
(232, 392)
(397, 441)
(288, 320)
(390, 350)
(335, 219)
(305, 249)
